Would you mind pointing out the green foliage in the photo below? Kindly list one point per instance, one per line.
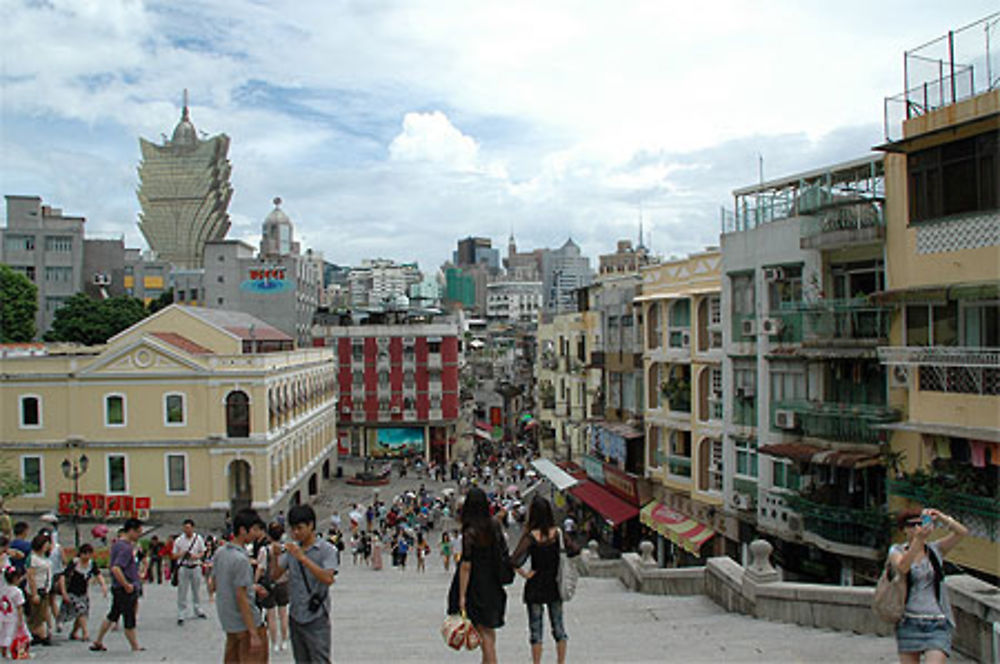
(12, 486)
(18, 306)
(87, 321)
(165, 300)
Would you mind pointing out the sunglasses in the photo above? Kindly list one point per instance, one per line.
(915, 522)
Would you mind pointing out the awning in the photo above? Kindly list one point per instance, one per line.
(679, 528)
(973, 290)
(553, 473)
(484, 425)
(619, 429)
(608, 505)
(821, 455)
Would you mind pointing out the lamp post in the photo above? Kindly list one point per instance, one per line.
(73, 470)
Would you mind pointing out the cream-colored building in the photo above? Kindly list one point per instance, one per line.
(196, 409)
(943, 255)
(682, 364)
(569, 383)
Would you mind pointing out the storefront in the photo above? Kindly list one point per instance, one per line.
(683, 533)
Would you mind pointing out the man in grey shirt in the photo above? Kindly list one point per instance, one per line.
(312, 564)
(232, 578)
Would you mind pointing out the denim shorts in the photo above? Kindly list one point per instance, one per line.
(923, 634)
(555, 620)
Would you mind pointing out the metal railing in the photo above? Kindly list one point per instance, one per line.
(843, 422)
(856, 527)
(851, 319)
(980, 514)
(949, 369)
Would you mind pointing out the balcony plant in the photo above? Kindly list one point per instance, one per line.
(677, 390)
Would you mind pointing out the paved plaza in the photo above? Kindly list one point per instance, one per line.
(391, 616)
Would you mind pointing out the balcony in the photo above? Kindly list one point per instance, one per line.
(981, 514)
(846, 222)
(783, 326)
(850, 322)
(745, 411)
(843, 422)
(949, 368)
(679, 466)
(867, 528)
(597, 359)
(434, 360)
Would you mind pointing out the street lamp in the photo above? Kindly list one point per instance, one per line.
(73, 470)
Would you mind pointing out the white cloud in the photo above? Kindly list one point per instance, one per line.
(431, 137)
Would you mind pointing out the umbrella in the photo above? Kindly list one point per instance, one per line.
(513, 488)
(100, 531)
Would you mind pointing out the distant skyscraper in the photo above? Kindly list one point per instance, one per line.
(184, 192)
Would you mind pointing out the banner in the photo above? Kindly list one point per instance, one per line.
(99, 506)
(398, 442)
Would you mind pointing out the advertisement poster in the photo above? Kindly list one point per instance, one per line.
(398, 442)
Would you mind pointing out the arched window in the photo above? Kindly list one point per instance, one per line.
(237, 415)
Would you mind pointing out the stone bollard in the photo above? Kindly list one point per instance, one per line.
(646, 553)
(761, 570)
(592, 549)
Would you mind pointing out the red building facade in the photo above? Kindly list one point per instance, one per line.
(399, 388)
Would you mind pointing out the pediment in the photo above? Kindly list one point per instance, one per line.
(144, 355)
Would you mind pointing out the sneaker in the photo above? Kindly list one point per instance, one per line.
(202, 615)
(180, 621)
(276, 647)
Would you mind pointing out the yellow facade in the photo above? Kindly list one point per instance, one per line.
(157, 411)
(568, 380)
(945, 372)
(682, 359)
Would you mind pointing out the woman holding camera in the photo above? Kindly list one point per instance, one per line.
(927, 623)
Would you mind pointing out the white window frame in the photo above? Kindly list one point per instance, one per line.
(41, 475)
(107, 473)
(20, 412)
(124, 410)
(166, 474)
(166, 420)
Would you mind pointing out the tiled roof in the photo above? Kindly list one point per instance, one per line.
(244, 326)
(182, 342)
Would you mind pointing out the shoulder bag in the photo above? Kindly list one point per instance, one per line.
(890, 594)
(568, 575)
(505, 566)
(175, 565)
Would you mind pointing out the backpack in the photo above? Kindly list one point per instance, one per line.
(893, 588)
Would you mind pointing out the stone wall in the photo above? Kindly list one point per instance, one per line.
(757, 591)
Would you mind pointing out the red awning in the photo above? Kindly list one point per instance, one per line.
(820, 455)
(483, 425)
(608, 505)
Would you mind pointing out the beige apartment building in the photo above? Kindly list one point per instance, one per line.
(682, 363)
(192, 410)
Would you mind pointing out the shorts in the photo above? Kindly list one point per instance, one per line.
(555, 621)
(123, 606)
(923, 634)
(281, 594)
(238, 650)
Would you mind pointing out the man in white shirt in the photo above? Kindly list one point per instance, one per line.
(188, 553)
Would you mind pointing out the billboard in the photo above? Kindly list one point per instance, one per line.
(266, 280)
(398, 442)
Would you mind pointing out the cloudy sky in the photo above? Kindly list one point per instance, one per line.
(391, 129)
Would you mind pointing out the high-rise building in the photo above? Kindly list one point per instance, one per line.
(477, 251)
(563, 271)
(184, 192)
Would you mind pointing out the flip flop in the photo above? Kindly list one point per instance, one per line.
(98, 647)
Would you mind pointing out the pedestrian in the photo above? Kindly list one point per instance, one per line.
(276, 603)
(539, 543)
(211, 546)
(11, 608)
(375, 545)
(927, 624)
(233, 579)
(74, 586)
(480, 591)
(404, 550)
(189, 550)
(311, 564)
(39, 573)
(155, 570)
(58, 565)
(446, 551)
(125, 586)
(20, 547)
(167, 552)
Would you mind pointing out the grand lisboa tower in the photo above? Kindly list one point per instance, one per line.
(184, 192)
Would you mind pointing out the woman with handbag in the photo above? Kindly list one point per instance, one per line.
(927, 623)
(540, 543)
(481, 576)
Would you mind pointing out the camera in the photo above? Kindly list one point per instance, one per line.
(926, 520)
(315, 602)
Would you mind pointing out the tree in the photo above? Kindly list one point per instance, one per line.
(165, 300)
(87, 321)
(11, 486)
(18, 305)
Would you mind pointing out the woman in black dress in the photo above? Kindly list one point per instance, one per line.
(480, 591)
(540, 542)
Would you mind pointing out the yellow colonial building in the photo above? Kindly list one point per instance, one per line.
(682, 360)
(190, 410)
(943, 260)
(569, 382)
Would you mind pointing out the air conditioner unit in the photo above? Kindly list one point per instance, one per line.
(749, 327)
(774, 274)
(102, 279)
(345, 409)
(785, 419)
(899, 376)
(795, 523)
(395, 410)
(746, 392)
(771, 326)
(742, 501)
(409, 341)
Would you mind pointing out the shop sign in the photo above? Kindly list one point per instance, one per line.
(99, 506)
(594, 468)
(266, 280)
(622, 484)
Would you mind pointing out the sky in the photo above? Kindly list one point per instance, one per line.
(392, 129)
